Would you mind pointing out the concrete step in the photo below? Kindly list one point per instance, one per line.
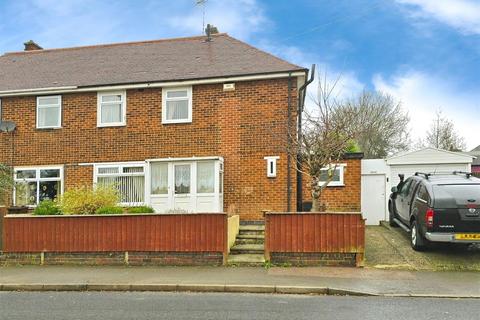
(251, 227)
(246, 259)
(252, 232)
(251, 236)
(247, 248)
(253, 222)
(249, 241)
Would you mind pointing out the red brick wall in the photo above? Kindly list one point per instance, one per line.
(342, 198)
(243, 126)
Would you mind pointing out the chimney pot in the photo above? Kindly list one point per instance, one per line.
(32, 46)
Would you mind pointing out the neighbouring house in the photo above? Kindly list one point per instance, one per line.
(379, 175)
(476, 161)
(183, 125)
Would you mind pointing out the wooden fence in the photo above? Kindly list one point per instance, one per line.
(303, 235)
(116, 233)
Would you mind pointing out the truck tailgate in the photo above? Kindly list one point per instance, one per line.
(457, 208)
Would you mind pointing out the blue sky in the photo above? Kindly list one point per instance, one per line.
(425, 53)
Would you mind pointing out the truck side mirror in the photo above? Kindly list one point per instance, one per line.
(401, 176)
(394, 189)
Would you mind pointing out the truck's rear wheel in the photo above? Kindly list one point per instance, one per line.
(417, 241)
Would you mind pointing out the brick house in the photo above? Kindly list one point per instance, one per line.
(181, 124)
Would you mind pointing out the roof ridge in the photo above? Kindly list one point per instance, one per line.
(115, 44)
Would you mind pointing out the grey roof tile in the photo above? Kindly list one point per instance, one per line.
(137, 62)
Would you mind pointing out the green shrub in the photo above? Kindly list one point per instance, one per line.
(6, 183)
(109, 210)
(47, 208)
(87, 200)
(140, 209)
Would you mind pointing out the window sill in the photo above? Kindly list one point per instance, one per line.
(48, 128)
(335, 185)
(111, 125)
(176, 121)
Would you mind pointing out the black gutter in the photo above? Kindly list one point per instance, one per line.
(302, 93)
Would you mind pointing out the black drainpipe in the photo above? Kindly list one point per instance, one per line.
(302, 92)
(289, 162)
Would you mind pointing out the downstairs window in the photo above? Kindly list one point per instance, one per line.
(32, 185)
(128, 179)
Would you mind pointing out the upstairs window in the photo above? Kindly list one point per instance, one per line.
(49, 112)
(177, 105)
(112, 109)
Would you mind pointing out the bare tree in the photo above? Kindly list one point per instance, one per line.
(382, 124)
(442, 135)
(324, 139)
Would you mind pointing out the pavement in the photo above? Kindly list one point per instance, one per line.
(305, 280)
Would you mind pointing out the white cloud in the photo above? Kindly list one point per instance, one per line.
(422, 95)
(463, 15)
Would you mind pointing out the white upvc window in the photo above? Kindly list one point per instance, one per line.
(177, 105)
(111, 109)
(49, 112)
(272, 166)
(127, 178)
(338, 175)
(34, 184)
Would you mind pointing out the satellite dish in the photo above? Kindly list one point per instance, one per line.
(7, 126)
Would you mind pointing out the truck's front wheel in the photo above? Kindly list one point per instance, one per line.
(391, 216)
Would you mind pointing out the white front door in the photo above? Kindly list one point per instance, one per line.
(373, 198)
(182, 187)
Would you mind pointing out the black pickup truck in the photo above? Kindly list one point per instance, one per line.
(437, 208)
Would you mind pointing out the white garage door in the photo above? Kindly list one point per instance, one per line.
(373, 198)
(409, 170)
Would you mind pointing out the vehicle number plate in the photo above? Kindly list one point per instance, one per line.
(467, 236)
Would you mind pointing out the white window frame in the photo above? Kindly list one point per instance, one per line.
(123, 95)
(120, 166)
(164, 104)
(340, 183)
(37, 179)
(59, 106)
(271, 166)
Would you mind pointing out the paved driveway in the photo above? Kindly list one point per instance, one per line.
(389, 248)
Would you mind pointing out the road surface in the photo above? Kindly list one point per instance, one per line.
(212, 306)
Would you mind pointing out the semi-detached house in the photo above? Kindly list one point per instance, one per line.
(182, 125)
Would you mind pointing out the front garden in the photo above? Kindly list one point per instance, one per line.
(88, 201)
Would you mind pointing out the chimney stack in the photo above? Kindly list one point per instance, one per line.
(209, 30)
(32, 46)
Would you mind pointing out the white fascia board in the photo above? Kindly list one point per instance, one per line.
(72, 89)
